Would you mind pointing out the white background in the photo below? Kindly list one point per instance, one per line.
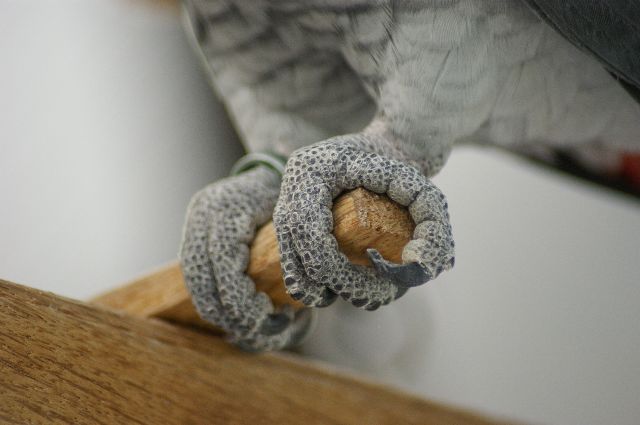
(107, 127)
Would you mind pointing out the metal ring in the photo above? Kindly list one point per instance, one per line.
(271, 160)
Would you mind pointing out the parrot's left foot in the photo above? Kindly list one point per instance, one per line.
(311, 261)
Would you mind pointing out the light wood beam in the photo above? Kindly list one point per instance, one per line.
(63, 361)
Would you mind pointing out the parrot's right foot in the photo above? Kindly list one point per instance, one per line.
(221, 224)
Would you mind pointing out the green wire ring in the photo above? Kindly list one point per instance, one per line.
(271, 160)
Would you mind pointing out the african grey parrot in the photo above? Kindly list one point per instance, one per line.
(375, 93)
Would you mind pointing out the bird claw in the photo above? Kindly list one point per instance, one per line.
(402, 275)
(275, 323)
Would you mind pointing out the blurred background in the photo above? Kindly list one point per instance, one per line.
(107, 127)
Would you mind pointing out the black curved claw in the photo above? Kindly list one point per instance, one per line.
(275, 323)
(403, 275)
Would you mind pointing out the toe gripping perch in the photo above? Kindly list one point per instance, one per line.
(236, 300)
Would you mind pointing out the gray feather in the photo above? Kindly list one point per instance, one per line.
(608, 29)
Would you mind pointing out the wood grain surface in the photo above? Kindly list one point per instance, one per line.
(64, 362)
(362, 220)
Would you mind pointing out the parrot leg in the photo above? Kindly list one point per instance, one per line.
(221, 223)
(309, 253)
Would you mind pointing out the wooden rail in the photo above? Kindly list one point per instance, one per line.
(63, 361)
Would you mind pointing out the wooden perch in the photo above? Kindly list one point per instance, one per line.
(63, 361)
(362, 220)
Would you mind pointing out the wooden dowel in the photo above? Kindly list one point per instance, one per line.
(362, 220)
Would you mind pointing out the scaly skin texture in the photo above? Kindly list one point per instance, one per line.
(373, 93)
(312, 263)
(221, 224)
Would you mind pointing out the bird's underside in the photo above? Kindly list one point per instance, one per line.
(491, 72)
(375, 94)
